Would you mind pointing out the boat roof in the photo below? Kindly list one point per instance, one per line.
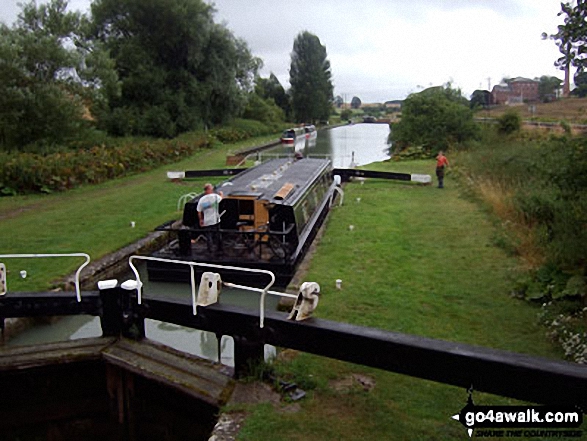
(265, 180)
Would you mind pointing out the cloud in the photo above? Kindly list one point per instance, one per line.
(385, 49)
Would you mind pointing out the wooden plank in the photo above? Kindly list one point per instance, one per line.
(26, 357)
(187, 373)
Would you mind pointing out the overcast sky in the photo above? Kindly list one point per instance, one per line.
(382, 50)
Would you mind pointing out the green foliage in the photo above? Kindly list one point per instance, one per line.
(271, 88)
(310, 79)
(29, 172)
(436, 119)
(356, 102)
(548, 183)
(51, 76)
(179, 70)
(510, 122)
(480, 98)
(264, 110)
(346, 114)
(241, 129)
(548, 87)
(571, 37)
(581, 83)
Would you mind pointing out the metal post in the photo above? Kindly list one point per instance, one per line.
(133, 320)
(111, 311)
(120, 314)
(248, 354)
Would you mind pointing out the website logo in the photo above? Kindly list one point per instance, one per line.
(517, 421)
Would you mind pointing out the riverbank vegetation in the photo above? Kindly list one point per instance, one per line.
(23, 172)
(419, 260)
(536, 187)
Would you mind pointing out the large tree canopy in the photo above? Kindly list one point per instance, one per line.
(179, 70)
(310, 79)
(50, 76)
(435, 119)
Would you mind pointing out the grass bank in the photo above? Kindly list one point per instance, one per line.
(419, 260)
(96, 219)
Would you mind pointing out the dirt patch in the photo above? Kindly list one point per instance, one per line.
(254, 393)
(287, 355)
(353, 382)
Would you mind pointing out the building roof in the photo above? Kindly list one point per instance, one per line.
(523, 80)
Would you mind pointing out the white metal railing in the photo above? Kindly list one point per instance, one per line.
(77, 273)
(183, 199)
(264, 291)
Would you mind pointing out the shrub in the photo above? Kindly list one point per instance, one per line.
(29, 172)
(64, 169)
(510, 122)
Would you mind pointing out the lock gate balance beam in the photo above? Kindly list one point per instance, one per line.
(509, 374)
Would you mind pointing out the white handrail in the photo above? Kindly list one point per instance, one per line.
(263, 291)
(250, 288)
(184, 198)
(77, 273)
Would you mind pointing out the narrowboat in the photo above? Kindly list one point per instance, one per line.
(269, 215)
(290, 136)
(310, 131)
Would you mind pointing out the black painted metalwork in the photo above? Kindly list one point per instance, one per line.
(347, 173)
(215, 172)
(494, 371)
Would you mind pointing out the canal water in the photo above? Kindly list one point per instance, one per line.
(358, 143)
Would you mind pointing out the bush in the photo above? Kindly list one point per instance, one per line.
(29, 172)
(510, 122)
(65, 169)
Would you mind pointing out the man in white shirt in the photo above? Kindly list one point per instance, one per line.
(209, 216)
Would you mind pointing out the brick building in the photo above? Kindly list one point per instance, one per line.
(517, 91)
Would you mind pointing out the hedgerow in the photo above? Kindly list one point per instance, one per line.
(24, 172)
(30, 172)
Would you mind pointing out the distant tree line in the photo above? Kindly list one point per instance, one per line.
(156, 68)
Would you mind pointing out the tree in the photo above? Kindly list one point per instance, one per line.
(581, 83)
(264, 110)
(179, 70)
(548, 88)
(571, 39)
(356, 102)
(435, 119)
(271, 88)
(310, 79)
(51, 75)
(480, 98)
(338, 101)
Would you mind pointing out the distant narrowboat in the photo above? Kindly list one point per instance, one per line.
(310, 131)
(269, 215)
(290, 136)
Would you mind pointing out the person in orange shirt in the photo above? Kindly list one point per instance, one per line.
(441, 164)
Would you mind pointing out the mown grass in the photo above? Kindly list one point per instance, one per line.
(419, 260)
(95, 219)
